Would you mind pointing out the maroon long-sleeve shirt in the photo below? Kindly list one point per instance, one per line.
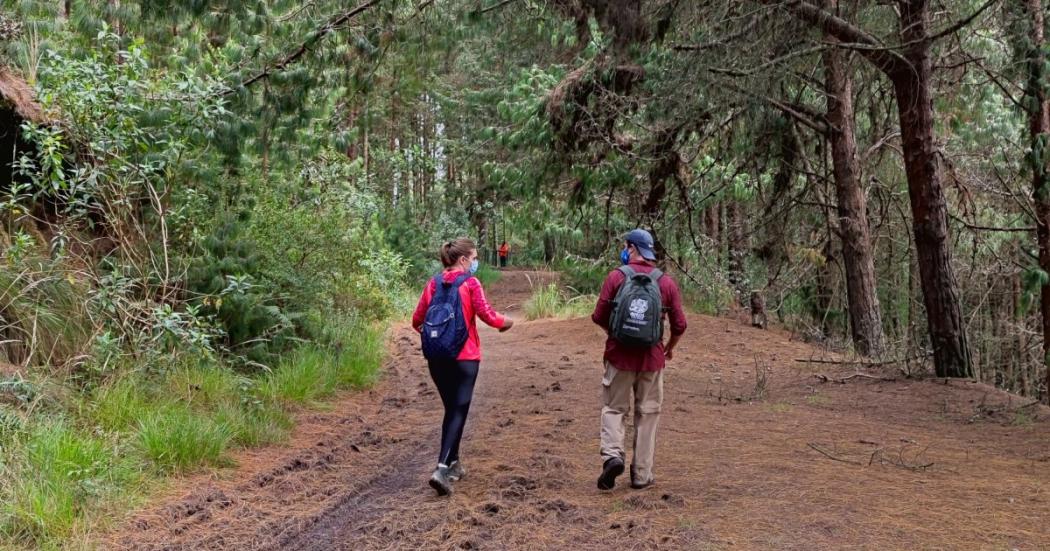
(634, 358)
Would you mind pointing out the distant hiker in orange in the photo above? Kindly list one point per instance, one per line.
(446, 320)
(504, 254)
(631, 308)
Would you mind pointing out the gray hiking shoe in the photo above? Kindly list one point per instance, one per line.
(440, 481)
(455, 471)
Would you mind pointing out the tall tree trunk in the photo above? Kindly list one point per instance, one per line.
(737, 237)
(351, 125)
(1017, 330)
(910, 70)
(1038, 105)
(929, 210)
(865, 315)
(712, 214)
(823, 294)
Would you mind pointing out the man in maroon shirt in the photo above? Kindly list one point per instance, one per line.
(633, 369)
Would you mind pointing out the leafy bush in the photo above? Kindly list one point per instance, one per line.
(583, 274)
(222, 283)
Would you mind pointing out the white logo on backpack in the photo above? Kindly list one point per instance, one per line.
(639, 307)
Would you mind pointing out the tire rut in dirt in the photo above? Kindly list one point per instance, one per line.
(333, 528)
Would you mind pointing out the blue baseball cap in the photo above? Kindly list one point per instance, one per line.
(643, 241)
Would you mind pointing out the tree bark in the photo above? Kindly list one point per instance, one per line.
(910, 70)
(737, 237)
(1038, 105)
(711, 222)
(928, 206)
(865, 314)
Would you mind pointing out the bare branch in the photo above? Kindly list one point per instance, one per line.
(856, 38)
(314, 38)
(963, 22)
(496, 6)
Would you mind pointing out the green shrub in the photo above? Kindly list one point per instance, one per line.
(583, 274)
(175, 438)
(226, 283)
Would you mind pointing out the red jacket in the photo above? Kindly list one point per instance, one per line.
(472, 297)
(632, 358)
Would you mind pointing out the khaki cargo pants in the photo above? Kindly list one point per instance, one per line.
(617, 389)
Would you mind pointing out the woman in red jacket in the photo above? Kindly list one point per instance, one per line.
(455, 378)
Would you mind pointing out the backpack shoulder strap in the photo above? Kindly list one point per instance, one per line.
(461, 279)
(656, 274)
(439, 285)
(627, 271)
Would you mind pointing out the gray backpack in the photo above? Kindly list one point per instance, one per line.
(637, 317)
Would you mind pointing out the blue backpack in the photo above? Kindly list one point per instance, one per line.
(444, 328)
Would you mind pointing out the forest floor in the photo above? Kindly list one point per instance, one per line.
(754, 452)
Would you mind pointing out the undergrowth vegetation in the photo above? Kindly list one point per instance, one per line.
(163, 302)
(550, 301)
(67, 462)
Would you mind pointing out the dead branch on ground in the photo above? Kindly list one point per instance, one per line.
(842, 380)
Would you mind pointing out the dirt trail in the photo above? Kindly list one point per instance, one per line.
(789, 464)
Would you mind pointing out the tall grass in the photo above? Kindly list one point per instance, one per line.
(178, 439)
(120, 405)
(544, 303)
(303, 377)
(64, 469)
(550, 302)
(58, 474)
(45, 319)
(487, 274)
(359, 356)
(351, 360)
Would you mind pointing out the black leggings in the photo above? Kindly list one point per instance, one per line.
(455, 382)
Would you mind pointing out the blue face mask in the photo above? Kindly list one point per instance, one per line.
(474, 266)
(625, 257)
